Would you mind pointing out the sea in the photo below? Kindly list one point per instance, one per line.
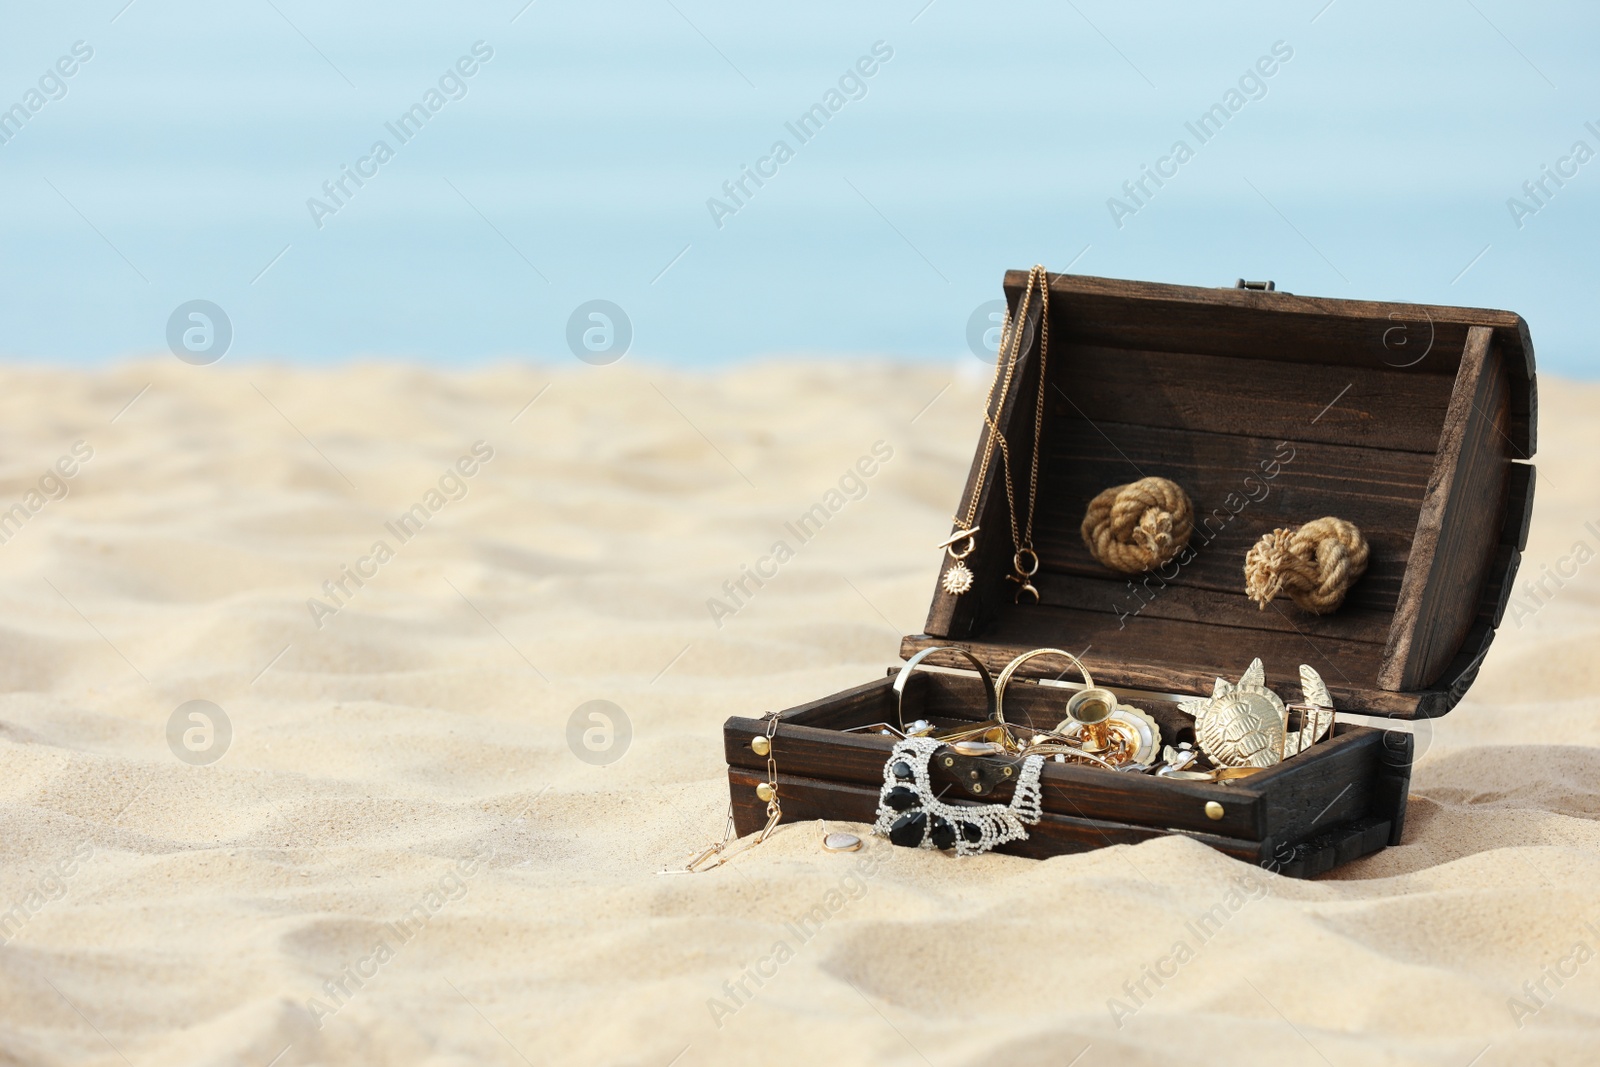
(699, 182)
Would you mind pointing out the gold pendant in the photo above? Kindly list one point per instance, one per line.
(1024, 575)
(958, 579)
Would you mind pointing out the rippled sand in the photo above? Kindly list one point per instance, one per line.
(399, 856)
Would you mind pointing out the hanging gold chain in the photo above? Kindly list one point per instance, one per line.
(1011, 330)
(1011, 335)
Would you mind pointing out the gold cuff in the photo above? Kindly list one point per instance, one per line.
(989, 692)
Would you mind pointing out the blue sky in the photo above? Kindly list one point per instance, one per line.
(1376, 161)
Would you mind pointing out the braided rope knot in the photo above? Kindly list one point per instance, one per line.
(1139, 526)
(1315, 564)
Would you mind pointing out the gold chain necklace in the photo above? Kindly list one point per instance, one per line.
(716, 854)
(959, 545)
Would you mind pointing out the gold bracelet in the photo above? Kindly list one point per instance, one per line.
(989, 692)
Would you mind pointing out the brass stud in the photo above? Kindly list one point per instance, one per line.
(948, 762)
(1213, 810)
(766, 792)
(760, 745)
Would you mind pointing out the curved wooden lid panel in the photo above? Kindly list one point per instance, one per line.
(1270, 409)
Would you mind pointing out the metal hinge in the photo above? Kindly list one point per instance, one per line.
(1263, 287)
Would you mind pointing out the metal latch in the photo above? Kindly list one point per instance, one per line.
(1263, 287)
(978, 775)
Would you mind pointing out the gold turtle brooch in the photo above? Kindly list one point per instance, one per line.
(1245, 724)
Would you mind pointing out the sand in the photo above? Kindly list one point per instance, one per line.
(398, 858)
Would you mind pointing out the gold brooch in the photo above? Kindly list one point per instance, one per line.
(1240, 725)
(1316, 713)
(1246, 725)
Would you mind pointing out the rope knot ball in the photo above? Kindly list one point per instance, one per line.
(1139, 526)
(1315, 564)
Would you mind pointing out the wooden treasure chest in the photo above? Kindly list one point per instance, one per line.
(1414, 423)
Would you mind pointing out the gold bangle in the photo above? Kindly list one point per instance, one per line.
(989, 692)
(1011, 668)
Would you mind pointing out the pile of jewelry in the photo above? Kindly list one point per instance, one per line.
(1241, 729)
(1244, 727)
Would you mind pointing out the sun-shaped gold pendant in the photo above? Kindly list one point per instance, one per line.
(958, 579)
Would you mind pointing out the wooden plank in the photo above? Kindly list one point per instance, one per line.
(1499, 587)
(1144, 657)
(1133, 598)
(1498, 590)
(1524, 411)
(1331, 784)
(1498, 584)
(1282, 327)
(1460, 522)
(1463, 670)
(1392, 790)
(808, 799)
(1083, 792)
(1242, 487)
(1519, 506)
(1376, 407)
(1330, 848)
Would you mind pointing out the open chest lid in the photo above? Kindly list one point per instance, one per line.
(1413, 422)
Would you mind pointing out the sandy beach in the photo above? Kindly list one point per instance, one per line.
(384, 840)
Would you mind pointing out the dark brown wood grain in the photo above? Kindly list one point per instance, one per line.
(1392, 789)
(1364, 452)
(1242, 487)
(1519, 506)
(1330, 783)
(1284, 327)
(1461, 521)
(1329, 848)
(1498, 582)
(1177, 656)
(806, 800)
(1371, 406)
(1133, 598)
(1084, 792)
(1498, 591)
